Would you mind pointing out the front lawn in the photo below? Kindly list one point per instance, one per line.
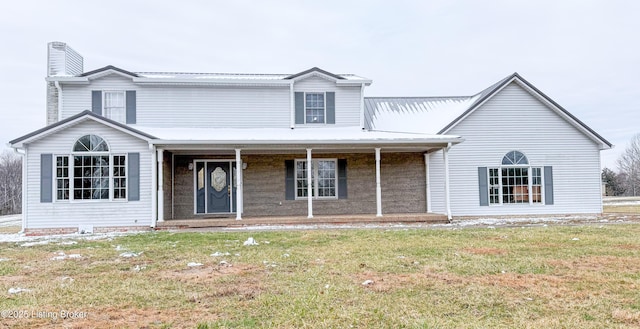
(534, 277)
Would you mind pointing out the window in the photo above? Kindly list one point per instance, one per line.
(119, 177)
(314, 108)
(62, 178)
(114, 106)
(323, 178)
(90, 172)
(515, 182)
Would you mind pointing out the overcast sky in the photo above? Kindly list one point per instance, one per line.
(583, 54)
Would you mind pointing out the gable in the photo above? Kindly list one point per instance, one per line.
(62, 141)
(514, 114)
(85, 116)
(315, 71)
(487, 94)
(314, 83)
(110, 69)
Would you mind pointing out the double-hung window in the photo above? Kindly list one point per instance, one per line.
(91, 172)
(324, 177)
(114, 106)
(314, 108)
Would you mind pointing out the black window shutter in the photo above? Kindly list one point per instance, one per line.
(96, 102)
(289, 180)
(133, 173)
(131, 107)
(331, 107)
(46, 177)
(483, 186)
(548, 185)
(299, 102)
(342, 178)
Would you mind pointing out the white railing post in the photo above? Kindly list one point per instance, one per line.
(309, 188)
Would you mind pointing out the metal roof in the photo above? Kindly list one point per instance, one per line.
(437, 115)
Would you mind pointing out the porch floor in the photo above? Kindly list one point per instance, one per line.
(430, 218)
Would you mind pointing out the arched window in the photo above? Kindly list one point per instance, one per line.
(90, 172)
(90, 143)
(514, 158)
(515, 181)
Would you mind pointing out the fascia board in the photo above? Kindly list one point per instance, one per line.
(354, 82)
(68, 80)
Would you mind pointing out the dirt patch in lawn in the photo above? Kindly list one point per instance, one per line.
(203, 274)
(598, 263)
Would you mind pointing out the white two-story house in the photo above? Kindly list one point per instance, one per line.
(126, 150)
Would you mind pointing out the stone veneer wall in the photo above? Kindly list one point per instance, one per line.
(402, 180)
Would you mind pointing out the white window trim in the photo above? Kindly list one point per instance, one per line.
(324, 96)
(124, 103)
(315, 179)
(112, 177)
(529, 183)
(71, 177)
(55, 178)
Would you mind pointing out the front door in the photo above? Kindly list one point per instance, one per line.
(214, 187)
(218, 187)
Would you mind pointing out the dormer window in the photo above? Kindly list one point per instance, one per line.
(314, 108)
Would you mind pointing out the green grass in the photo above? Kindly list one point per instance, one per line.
(534, 277)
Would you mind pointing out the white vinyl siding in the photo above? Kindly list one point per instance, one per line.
(515, 120)
(215, 107)
(191, 106)
(77, 98)
(71, 213)
(347, 98)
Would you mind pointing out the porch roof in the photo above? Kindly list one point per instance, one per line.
(286, 138)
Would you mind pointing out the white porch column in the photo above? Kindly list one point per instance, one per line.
(154, 186)
(160, 185)
(378, 187)
(239, 184)
(427, 181)
(447, 199)
(309, 189)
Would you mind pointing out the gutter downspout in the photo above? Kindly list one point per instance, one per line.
(292, 107)
(59, 88)
(447, 197)
(24, 189)
(362, 106)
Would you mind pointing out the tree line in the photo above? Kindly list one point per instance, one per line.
(10, 183)
(626, 181)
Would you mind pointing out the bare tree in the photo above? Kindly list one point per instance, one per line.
(614, 183)
(629, 165)
(10, 183)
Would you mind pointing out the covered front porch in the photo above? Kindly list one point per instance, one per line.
(200, 183)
